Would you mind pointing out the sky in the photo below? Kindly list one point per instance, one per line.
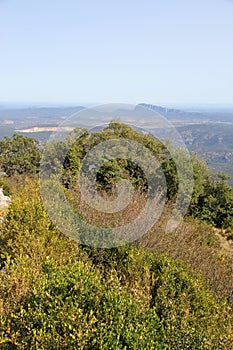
(168, 52)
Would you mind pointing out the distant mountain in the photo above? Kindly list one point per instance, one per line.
(221, 115)
(171, 113)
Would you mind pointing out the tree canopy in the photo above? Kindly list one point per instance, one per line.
(212, 197)
(19, 155)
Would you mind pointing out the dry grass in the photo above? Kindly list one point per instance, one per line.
(196, 243)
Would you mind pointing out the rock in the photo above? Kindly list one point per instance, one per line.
(4, 200)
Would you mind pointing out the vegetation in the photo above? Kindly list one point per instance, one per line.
(214, 204)
(168, 291)
(19, 155)
(113, 170)
(212, 198)
(56, 294)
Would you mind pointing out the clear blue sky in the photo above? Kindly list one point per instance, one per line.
(156, 51)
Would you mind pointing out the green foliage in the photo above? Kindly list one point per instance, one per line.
(58, 295)
(19, 155)
(212, 199)
(113, 170)
(5, 186)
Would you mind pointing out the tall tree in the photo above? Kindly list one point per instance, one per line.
(19, 155)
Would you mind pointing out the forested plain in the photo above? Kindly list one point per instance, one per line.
(167, 290)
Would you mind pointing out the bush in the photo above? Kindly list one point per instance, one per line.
(58, 295)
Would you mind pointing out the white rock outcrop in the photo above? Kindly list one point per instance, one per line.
(4, 200)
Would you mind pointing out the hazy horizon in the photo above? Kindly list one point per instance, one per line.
(186, 107)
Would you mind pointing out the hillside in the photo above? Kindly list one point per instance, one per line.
(57, 294)
(214, 142)
(63, 287)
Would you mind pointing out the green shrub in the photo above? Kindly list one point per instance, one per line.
(58, 295)
(5, 186)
